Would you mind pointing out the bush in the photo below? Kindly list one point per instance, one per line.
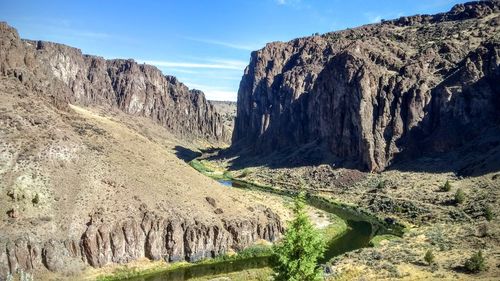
(476, 263)
(446, 187)
(459, 196)
(244, 173)
(429, 257)
(36, 199)
(256, 251)
(381, 185)
(488, 213)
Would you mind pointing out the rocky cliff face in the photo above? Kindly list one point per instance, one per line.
(150, 235)
(371, 94)
(137, 89)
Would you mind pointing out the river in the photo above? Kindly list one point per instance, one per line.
(361, 230)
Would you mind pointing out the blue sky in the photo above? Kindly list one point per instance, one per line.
(205, 43)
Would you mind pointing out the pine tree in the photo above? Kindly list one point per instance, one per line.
(296, 256)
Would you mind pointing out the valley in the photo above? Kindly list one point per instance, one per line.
(111, 169)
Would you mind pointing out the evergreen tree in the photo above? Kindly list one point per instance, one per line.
(446, 187)
(296, 256)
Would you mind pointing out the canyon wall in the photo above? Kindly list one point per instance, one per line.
(426, 83)
(150, 235)
(139, 89)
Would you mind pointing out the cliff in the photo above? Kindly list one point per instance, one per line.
(137, 89)
(372, 95)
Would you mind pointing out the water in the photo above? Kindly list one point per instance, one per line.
(358, 236)
(361, 229)
(201, 270)
(226, 183)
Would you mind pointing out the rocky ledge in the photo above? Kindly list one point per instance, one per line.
(150, 235)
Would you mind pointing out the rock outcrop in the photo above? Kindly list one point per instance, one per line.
(151, 236)
(372, 94)
(64, 75)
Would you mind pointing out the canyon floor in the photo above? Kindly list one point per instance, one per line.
(453, 231)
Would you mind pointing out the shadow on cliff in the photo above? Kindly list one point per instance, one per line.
(447, 140)
(459, 135)
(186, 154)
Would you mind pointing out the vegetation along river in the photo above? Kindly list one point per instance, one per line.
(361, 229)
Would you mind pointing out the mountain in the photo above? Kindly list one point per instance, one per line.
(370, 96)
(89, 168)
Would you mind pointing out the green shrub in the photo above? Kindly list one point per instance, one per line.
(429, 257)
(488, 213)
(256, 251)
(244, 173)
(36, 199)
(459, 196)
(476, 263)
(446, 187)
(381, 185)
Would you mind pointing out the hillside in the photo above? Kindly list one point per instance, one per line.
(90, 172)
(136, 89)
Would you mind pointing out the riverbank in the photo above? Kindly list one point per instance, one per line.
(347, 211)
(332, 227)
(433, 219)
(142, 270)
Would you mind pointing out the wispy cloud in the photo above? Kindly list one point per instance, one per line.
(214, 93)
(291, 3)
(373, 18)
(216, 77)
(61, 28)
(245, 47)
(183, 70)
(220, 64)
(288, 2)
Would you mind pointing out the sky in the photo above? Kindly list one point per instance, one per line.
(206, 44)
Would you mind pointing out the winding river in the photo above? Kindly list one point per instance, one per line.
(362, 228)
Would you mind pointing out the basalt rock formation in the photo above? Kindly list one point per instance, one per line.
(404, 87)
(148, 236)
(67, 75)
